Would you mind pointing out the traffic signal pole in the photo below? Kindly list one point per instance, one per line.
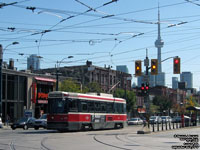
(146, 97)
(146, 129)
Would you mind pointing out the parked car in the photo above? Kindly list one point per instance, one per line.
(166, 119)
(135, 121)
(24, 123)
(41, 122)
(1, 124)
(176, 119)
(155, 119)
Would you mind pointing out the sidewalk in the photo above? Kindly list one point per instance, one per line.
(5, 127)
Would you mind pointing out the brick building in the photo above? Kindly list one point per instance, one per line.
(106, 77)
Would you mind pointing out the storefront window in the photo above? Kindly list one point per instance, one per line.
(22, 89)
(4, 86)
(12, 87)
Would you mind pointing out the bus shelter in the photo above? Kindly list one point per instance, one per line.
(195, 115)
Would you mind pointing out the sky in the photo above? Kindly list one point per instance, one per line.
(106, 32)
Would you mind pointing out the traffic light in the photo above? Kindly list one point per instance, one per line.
(147, 88)
(144, 89)
(154, 66)
(177, 66)
(138, 68)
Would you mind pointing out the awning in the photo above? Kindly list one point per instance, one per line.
(45, 79)
(193, 108)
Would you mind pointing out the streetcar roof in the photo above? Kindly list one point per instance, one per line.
(91, 96)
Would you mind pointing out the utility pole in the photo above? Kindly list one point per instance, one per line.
(57, 77)
(1, 61)
(146, 128)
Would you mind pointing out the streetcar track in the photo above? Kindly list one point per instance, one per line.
(94, 137)
(136, 142)
(43, 147)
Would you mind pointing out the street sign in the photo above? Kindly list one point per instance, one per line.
(145, 78)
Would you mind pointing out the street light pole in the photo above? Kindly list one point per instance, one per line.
(57, 67)
(1, 62)
(57, 77)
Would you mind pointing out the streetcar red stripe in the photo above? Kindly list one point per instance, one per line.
(84, 118)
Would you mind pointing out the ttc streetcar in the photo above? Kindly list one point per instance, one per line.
(76, 111)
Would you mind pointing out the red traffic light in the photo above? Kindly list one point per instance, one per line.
(176, 61)
(177, 65)
(147, 87)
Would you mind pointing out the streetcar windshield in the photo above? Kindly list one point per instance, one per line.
(57, 105)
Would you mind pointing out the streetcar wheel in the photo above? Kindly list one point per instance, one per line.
(83, 127)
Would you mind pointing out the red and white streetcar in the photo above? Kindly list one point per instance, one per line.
(76, 111)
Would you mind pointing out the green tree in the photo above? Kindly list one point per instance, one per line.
(129, 96)
(69, 85)
(163, 102)
(92, 87)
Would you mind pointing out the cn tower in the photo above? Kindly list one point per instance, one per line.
(159, 44)
(160, 79)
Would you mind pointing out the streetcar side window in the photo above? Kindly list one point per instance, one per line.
(120, 108)
(109, 107)
(103, 107)
(97, 107)
(91, 106)
(124, 107)
(84, 106)
(72, 105)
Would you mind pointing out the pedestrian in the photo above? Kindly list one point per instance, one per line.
(7, 120)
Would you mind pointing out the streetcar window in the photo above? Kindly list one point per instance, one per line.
(57, 105)
(124, 106)
(72, 104)
(103, 107)
(60, 106)
(120, 108)
(97, 107)
(91, 106)
(109, 107)
(84, 106)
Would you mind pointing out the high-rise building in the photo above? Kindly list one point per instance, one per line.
(33, 62)
(187, 77)
(122, 68)
(174, 82)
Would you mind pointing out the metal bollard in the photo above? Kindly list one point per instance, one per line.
(157, 126)
(153, 126)
(169, 125)
(162, 125)
(173, 125)
(166, 125)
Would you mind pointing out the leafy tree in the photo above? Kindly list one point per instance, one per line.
(129, 96)
(154, 108)
(93, 87)
(191, 101)
(163, 102)
(69, 85)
